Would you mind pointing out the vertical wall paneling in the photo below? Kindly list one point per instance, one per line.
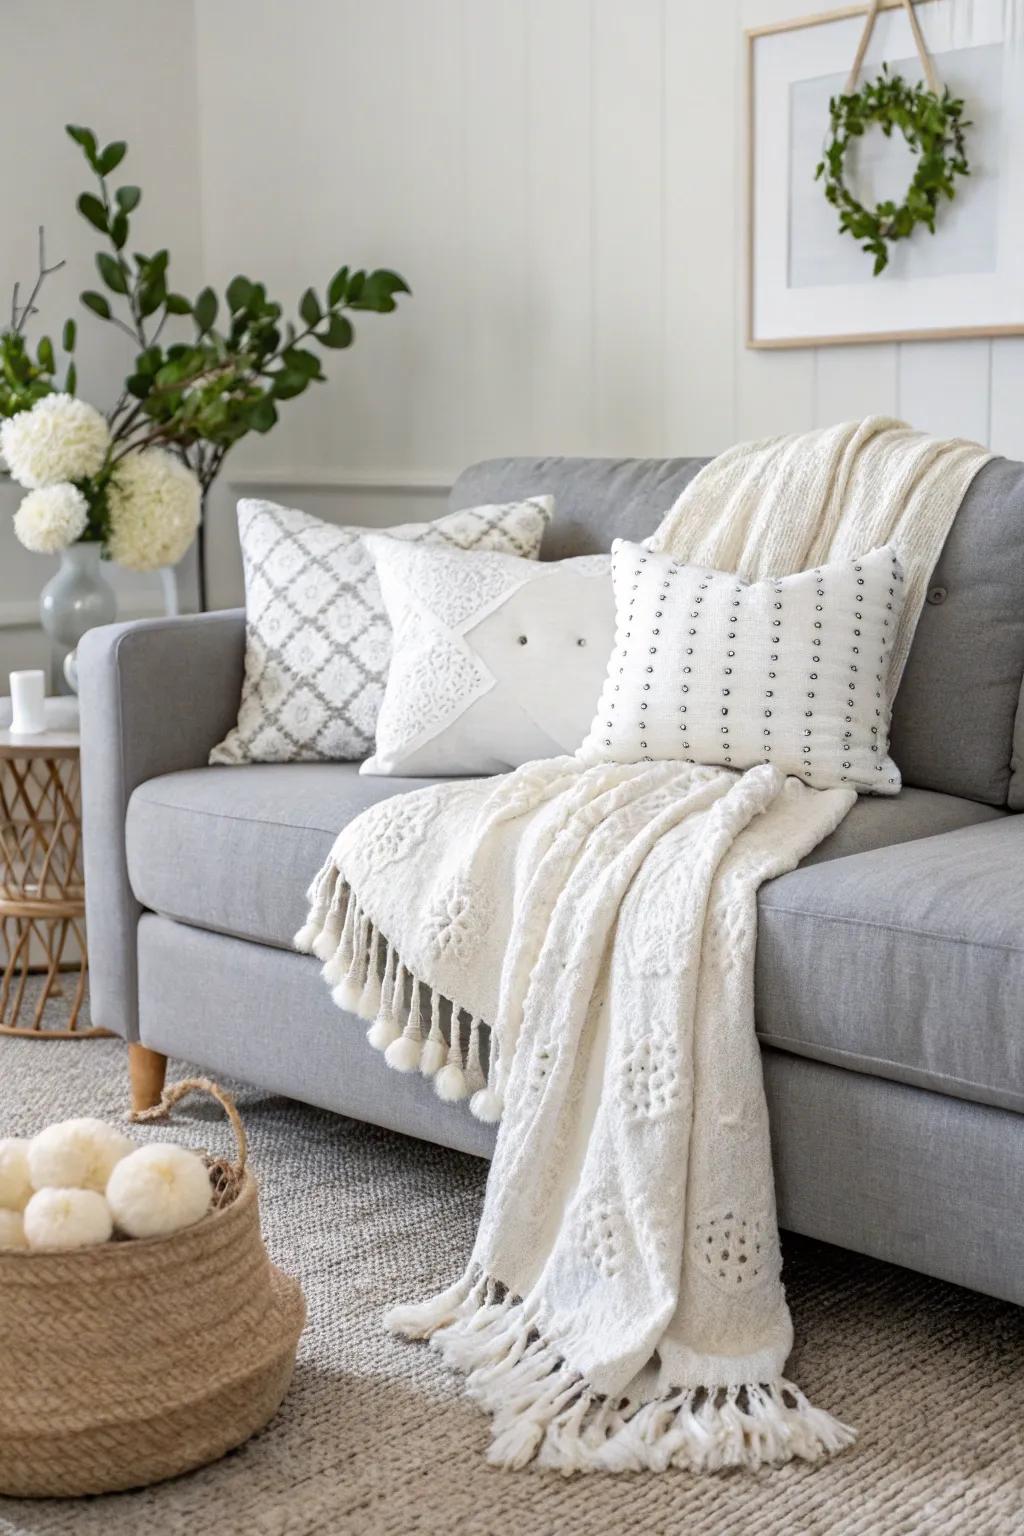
(1006, 432)
(944, 387)
(700, 226)
(495, 236)
(555, 244)
(854, 381)
(627, 176)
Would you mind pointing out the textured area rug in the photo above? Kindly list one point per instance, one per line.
(376, 1437)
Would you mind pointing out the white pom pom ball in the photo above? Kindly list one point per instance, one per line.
(487, 1106)
(159, 1189)
(450, 1083)
(12, 1230)
(76, 1154)
(15, 1184)
(403, 1054)
(432, 1057)
(58, 1219)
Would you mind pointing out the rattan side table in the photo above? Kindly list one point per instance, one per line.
(42, 890)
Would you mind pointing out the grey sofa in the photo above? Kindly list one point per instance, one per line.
(890, 966)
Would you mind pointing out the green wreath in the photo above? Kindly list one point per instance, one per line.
(933, 127)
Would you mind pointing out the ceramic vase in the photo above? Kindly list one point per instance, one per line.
(77, 598)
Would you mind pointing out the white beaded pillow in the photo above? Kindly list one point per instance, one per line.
(709, 668)
(317, 639)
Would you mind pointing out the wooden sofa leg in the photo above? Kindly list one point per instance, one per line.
(146, 1069)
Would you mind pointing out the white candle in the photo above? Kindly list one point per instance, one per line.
(28, 691)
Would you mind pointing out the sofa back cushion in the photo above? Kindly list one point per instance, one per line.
(953, 720)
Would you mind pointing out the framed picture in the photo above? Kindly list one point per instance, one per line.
(809, 284)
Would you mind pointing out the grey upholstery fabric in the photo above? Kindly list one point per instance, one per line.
(913, 1177)
(596, 500)
(264, 1015)
(906, 962)
(952, 726)
(909, 1176)
(233, 850)
(953, 722)
(155, 696)
(1015, 798)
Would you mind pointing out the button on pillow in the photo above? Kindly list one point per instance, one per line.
(709, 668)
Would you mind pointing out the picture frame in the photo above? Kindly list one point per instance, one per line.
(808, 284)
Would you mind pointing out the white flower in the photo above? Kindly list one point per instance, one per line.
(154, 510)
(67, 1218)
(76, 1154)
(158, 1189)
(60, 438)
(15, 1184)
(50, 519)
(12, 1230)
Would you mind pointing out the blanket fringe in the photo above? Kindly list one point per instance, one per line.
(340, 934)
(541, 1409)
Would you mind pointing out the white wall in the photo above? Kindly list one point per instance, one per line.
(128, 69)
(560, 182)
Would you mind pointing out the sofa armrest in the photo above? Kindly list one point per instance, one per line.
(155, 696)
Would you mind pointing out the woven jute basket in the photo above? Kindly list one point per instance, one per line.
(137, 1360)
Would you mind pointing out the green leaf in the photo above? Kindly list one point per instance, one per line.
(44, 352)
(119, 230)
(70, 379)
(339, 332)
(112, 156)
(287, 384)
(68, 338)
(97, 303)
(151, 297)
(309, 307)
(205, 310)
(139, 385)
(86, 139)
(263, 415)
(111, 272)
(301, 361)
(239, 292)
(128, 198)
(177, 304)
(92, 209)
(336, 287)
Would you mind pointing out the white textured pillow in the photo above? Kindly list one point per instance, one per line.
(708, 668)
(317, 637)
(496, 660)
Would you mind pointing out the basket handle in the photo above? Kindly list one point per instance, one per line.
(177, 1091)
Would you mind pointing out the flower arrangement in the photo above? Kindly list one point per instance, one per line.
(80, 1182)
(134, 480)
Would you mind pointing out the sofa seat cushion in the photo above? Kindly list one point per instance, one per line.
(234, 849)
(878, 967)
(906, 962)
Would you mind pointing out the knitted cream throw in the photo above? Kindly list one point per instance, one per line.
(591, 932)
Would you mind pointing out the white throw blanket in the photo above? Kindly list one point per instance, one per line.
(591, 931)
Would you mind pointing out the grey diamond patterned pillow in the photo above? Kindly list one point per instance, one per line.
(318, 641)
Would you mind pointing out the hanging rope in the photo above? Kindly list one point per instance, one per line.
(927, 65)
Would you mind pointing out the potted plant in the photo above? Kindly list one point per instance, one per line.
(129, 485)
